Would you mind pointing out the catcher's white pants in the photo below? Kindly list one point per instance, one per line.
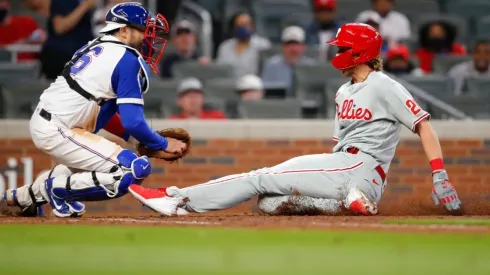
(77, 151)
(76, 148)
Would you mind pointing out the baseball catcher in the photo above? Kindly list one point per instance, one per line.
(102, 87)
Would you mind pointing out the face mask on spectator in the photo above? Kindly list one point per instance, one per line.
(3, 13)
(243, 33)
(326, 24)
(436, 44)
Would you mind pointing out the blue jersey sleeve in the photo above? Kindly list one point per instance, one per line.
(126, 83)
(106, 112)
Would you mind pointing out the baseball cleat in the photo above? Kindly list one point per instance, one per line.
(62, 208)
(358, 203)
(158, 200)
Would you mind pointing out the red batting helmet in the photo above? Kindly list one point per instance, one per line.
(363, 43)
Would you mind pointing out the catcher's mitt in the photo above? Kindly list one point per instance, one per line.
(175, 133)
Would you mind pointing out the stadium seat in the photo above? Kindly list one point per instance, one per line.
(277, 49)
(203, 72)
(215, 7)
(215, 103)
(460, 23)
(21, 97)
(331, 88)
(483, 26)
(442, 64)
(297, 19)
(270, 109)
(478, 86)
(5, 56)
(439, 86)
(310, 83)
(471, 105)
(269, 16)
(223, 88)
(468, 8)
(414, 8)
(162, 94)
(12, 72)
(349, 9)
(311, 78)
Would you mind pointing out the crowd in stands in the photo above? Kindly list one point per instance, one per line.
(71, 23)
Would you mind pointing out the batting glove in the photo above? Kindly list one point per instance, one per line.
(443, 191)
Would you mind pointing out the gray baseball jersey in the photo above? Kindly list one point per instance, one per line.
(370, 114)
(369, 117)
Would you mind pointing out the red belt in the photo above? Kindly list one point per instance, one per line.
(379, 169)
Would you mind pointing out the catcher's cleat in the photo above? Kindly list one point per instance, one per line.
(158, 200)
(358, 203)
(62, 208)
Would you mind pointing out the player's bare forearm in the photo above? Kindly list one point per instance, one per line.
(442, 190)
(429, 140)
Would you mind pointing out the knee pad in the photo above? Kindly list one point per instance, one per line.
(140, 167)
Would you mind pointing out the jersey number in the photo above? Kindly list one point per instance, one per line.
(414, 108)
(85, 60)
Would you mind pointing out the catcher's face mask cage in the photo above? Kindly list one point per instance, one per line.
(358, 43)
(155, 41)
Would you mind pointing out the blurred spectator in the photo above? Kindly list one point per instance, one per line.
(479, 66)
(191, 102)
(243, 50)
(100, 13)
(394, 26)
(69, 28)
(16, 29)
(250, 88)
(324, 26)
(184, 41)
(279, 69)
(398, 62)
(437, 38)
(373, 19)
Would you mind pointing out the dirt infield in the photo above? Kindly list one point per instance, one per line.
(255, 221)
(241, 218)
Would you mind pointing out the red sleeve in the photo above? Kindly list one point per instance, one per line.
(459, 49)
(115, 127)
(425, 59)
(30, 24)
(213, 114)
(220, 115)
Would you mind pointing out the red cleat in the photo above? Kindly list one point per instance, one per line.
(358, 203)
(158, 200)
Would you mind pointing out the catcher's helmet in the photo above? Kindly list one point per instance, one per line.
(134, 15)
(363, 44)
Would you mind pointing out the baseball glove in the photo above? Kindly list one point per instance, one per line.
(175, 133)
